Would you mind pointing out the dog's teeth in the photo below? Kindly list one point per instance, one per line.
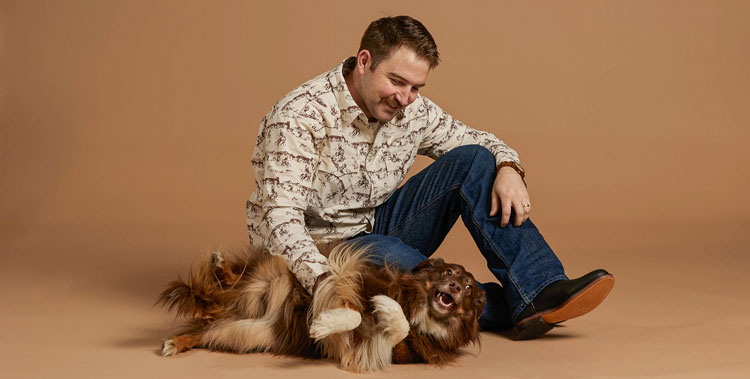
(441, 297)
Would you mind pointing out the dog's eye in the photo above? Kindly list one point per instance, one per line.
(468, 288)
(448, 273)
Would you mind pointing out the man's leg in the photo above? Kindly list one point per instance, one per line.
(423, 210)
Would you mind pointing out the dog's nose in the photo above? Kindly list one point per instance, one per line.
(455, 288)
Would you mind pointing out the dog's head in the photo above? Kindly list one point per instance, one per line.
(454, 302)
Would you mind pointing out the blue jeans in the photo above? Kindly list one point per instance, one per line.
(413, 222)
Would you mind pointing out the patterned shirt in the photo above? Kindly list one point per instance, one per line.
(321, 168)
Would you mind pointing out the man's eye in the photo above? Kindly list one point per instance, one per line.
(396, 82)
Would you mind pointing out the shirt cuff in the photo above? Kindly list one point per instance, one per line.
(307, 272)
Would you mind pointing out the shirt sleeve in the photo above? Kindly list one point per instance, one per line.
(284, 163)
(444, 133)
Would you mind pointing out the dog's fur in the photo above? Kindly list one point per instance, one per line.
(362, 316)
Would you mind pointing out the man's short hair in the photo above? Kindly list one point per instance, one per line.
(389, 33)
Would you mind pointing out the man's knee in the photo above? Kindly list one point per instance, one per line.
(478, 155)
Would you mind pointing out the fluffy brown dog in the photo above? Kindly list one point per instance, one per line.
(363, 316)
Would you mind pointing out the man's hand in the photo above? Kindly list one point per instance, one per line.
(508, 192)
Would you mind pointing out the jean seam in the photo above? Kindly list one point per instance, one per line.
(493, 248)
(424, 207)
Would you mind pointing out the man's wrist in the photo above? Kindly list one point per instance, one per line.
(318, 280)
(514, 165)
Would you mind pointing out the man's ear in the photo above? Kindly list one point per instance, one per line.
(364, 60)
(432, 262)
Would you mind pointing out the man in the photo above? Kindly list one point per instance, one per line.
(330, 156)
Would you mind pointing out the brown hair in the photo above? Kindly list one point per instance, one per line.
(389, 33)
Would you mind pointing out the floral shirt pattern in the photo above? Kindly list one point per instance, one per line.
(321, 168)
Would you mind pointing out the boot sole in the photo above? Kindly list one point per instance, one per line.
(581, 303)
(578, 305)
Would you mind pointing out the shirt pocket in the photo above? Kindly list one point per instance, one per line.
(341, 191)
(394, 167)
(398, 161)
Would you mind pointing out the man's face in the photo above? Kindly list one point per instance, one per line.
(393, 84)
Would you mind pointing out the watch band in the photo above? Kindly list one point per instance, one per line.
(515, 166)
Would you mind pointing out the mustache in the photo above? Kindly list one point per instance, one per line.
(393, 103)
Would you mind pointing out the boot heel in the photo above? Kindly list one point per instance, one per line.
(531, 329)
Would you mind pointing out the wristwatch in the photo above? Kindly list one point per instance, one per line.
(514, 165)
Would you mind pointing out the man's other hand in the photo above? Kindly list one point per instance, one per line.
(509, 192)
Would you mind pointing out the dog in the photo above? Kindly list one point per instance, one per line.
(363, 316)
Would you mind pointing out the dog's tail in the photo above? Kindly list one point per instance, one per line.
(206, 293)
(196, 297)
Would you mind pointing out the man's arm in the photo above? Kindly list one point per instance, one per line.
(509, 191)
(285, 161)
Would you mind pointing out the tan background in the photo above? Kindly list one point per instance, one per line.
(126, 129)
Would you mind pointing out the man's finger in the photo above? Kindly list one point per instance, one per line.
(520, 215)
(526, 215)
(506, 206)
(493, 206)
(526, 209)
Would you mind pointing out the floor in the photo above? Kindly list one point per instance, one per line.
(71, 309)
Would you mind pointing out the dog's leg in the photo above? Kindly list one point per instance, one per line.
(391, 318)
(267, 293)
(375, 351)
(178, 344)
(333, 313)
(222, 271)
(334, 321)
(252, 334)
(241, 336)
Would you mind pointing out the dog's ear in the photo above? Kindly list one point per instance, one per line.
(429, 263)
(479, 301)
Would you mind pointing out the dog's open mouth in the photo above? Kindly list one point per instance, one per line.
(444, 300)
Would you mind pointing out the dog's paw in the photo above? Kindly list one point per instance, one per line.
(217, 260)
(333, 321)
(168, 348)
(390, 317)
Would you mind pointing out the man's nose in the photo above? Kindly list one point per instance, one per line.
(403, 98)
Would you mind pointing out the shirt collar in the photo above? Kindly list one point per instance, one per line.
(348, 108)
